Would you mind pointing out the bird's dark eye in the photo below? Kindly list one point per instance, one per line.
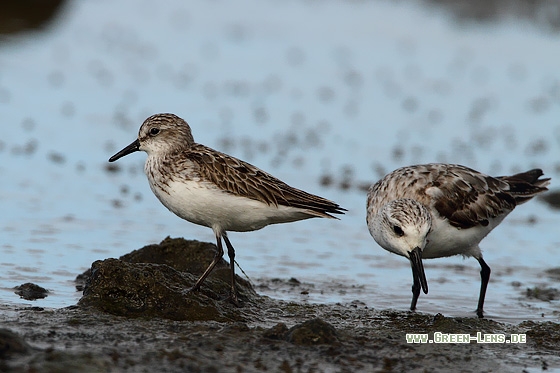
(398, 230)
(154, 131)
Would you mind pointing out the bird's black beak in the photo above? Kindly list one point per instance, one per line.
(134, 147)
(418, 268)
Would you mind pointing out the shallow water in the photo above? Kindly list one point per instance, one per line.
(309, 91)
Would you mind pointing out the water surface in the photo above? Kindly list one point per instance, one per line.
(328, 96)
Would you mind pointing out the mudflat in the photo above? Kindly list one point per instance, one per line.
(135, 315)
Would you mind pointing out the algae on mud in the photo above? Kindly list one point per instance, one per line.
(30, 291)
(154, 282)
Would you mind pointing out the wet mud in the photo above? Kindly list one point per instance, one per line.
(136, 315)
(21, 16)
(30, 291)
(552, 198)
(542, 12)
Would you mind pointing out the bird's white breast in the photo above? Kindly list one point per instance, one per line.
(203, 203)
(446, 240)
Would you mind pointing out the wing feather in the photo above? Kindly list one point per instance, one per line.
(241, 178)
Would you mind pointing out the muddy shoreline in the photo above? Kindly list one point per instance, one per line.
(135, 316)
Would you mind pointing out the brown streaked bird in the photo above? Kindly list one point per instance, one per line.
(438, 210)
(213, 189)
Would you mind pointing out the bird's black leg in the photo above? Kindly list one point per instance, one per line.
(231, 255)
(415, 287)
(484, 278)
(217, 257)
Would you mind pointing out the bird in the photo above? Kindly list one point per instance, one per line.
(216, 190)
(438, 210)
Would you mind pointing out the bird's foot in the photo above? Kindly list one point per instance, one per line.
(193, 289)
(232, 298)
